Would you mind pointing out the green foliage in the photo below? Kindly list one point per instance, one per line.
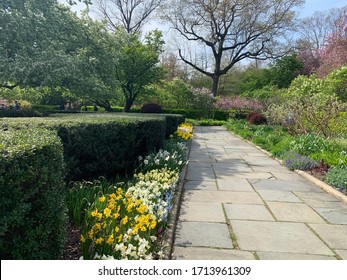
(41, 57)
(80, 195)
(337, 177)
(284, 71)
(173, 94)
(20, 114)
(338, 81)
(274, 139)
(206, 122)
(312, 106)
(220, 115)
(254, 79)
(100, 144)
(319, 148)
(136, 63)
(33, 220)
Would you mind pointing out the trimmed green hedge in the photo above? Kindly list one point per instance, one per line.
(172, 121)
(100, 144)
(33, 211)
(219, 115)
(20, 113)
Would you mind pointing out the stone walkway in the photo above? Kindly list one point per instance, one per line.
(240, 204)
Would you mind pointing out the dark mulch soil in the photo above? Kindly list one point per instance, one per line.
(72, 250)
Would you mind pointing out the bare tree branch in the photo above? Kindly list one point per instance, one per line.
(131, 14)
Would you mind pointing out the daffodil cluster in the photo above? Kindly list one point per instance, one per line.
(118, 226)
(156, 190)
(184, 132)
(128, 224)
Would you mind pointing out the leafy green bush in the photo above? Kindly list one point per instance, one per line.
(312, 106)
(337, 177)
(33, 219)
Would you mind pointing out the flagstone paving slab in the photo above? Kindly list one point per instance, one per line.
(196, 253)
(320, 196)
(248, 175)
(203, 234)
(196, 212)
(282, 196)
(284, 185)
(223, 197)
(201, 185)
(294, 212)
(333, 215)
(324, 204)
(288, 176)
(291, 256)
(334, 235)
(241, 185)
(278, 237)
(247, 212)
(201, 175)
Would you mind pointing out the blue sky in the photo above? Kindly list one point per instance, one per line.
(309, 8)
(320, 5)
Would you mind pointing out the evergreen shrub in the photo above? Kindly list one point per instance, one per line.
(100, 144)
(33, 211)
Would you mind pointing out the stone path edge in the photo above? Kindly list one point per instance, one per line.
(327, 188)
(169, 236)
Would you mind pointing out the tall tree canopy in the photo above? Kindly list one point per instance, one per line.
(37, 42)
(231, 30)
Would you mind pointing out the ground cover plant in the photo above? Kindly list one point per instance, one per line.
(127, 220)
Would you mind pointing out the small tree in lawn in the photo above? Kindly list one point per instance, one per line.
(137, 63)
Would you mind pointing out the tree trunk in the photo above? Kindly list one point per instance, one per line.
(215, 82)
(128, 104)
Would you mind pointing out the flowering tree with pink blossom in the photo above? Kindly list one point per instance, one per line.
(238, 103)
(334, 51)
(331, 53)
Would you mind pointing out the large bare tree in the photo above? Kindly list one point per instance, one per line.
(231, 30)
(130, 14)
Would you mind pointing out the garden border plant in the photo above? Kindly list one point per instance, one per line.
(299, 152)
(148, 202)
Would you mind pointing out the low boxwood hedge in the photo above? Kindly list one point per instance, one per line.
(33, 211)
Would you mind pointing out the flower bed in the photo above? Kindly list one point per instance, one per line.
(324, 158)
(130, 221)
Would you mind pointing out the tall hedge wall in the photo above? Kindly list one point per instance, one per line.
(33, 213)
(99, 144)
